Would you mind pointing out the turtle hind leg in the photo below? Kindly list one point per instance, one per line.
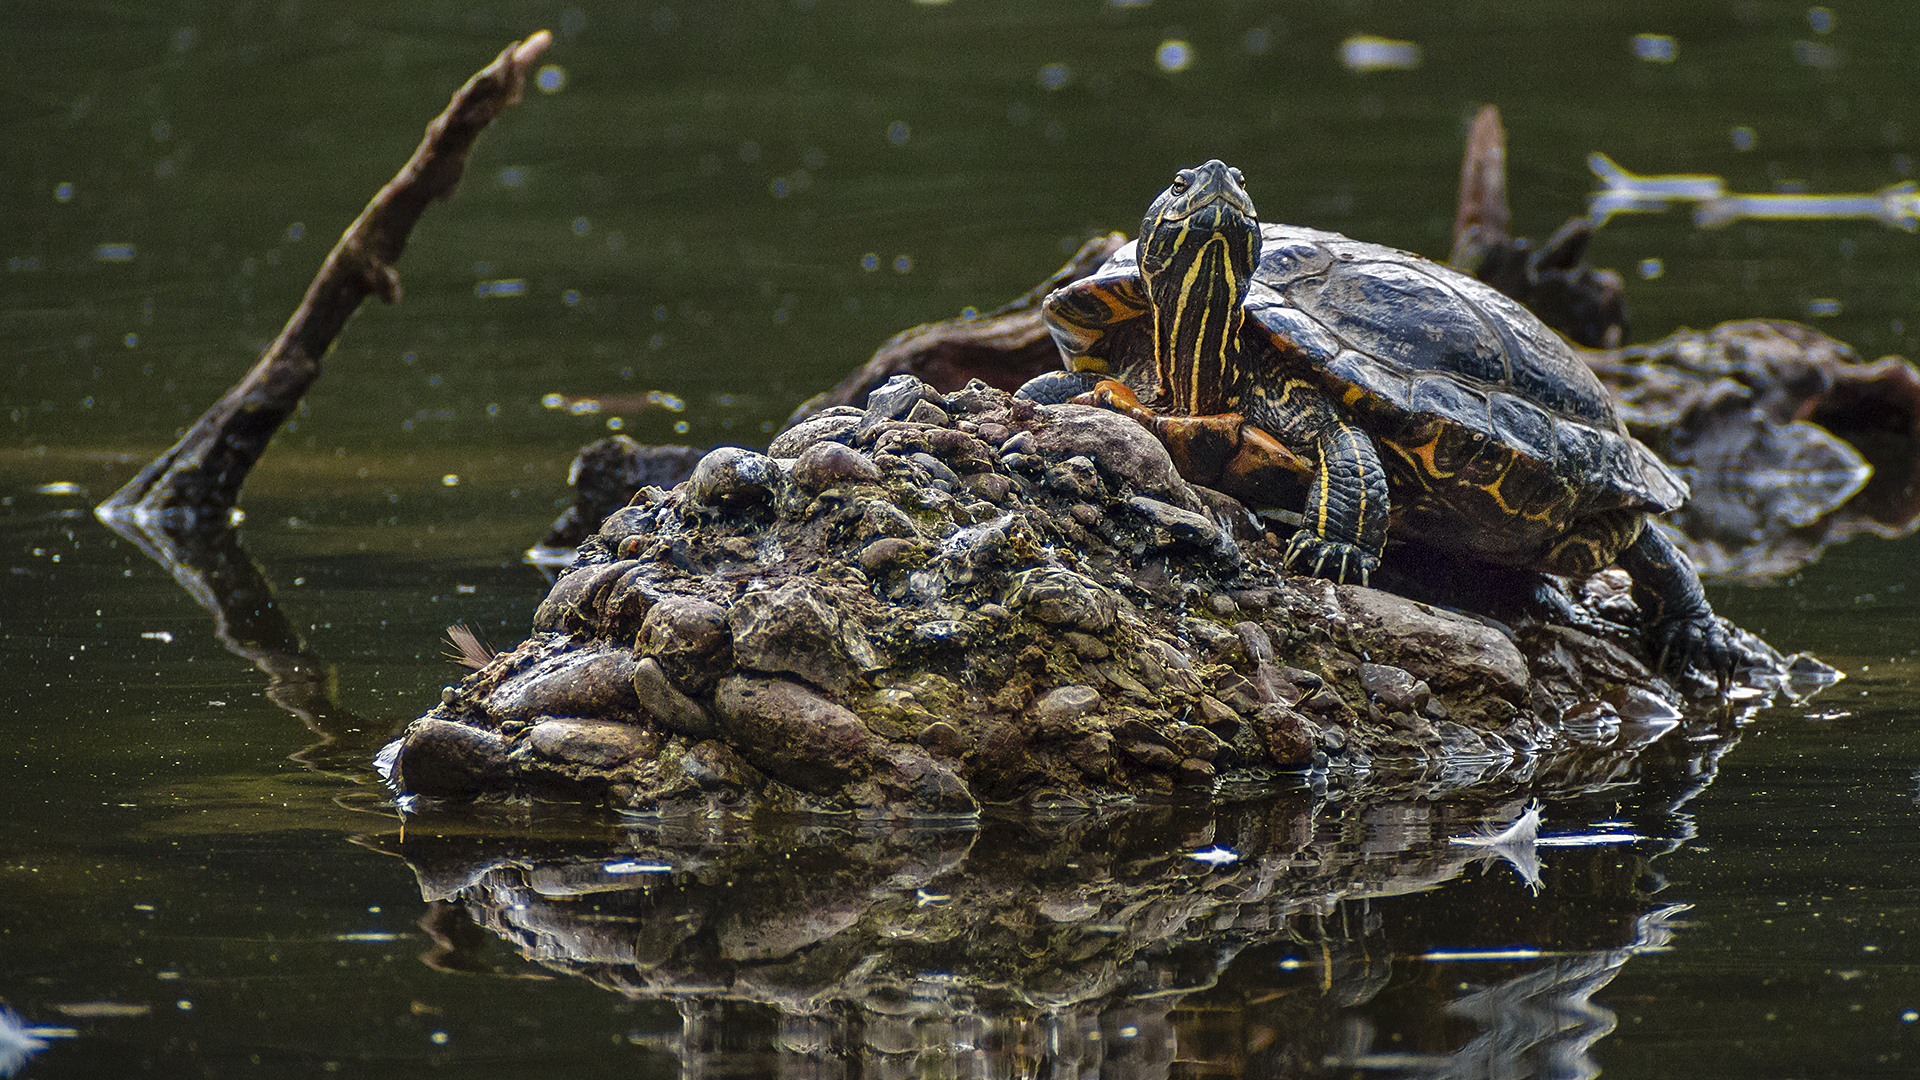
(1689, 642)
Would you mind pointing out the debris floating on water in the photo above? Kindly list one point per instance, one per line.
(1363, 53)
(20, 1040)
(1515, 843)
(1896, 205)
(1524, 830)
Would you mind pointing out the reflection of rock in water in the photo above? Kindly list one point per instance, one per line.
(1542, 1022)
(1310, 934)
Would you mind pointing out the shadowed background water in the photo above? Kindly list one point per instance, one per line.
(732, 204)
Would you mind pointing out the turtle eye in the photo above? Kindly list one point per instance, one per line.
(1180, 181)
(1237, 177)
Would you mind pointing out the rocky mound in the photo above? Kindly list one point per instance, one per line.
(940, 600)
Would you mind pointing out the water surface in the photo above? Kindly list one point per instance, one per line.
(733, 204)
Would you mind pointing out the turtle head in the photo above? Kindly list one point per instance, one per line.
(1199, 245)
(1200, 204)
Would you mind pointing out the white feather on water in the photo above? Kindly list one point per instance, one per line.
(1524, 830)
(1515, 843)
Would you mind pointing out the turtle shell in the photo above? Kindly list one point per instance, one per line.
(1495, 436)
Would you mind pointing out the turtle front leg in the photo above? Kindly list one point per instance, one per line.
(1223, 451)
(1345, 526)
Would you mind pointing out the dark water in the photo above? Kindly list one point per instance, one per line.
(732, 204)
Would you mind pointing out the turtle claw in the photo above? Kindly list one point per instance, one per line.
(1344, 564)
(1709, 654)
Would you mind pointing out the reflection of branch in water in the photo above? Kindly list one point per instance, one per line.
(214, 569)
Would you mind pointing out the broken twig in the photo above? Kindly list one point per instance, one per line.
(198, 481)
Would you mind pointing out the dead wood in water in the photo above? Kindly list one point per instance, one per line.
(198, 481)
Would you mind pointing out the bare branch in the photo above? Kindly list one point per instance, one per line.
(199, 479)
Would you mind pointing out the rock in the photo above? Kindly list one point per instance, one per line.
(593, 682)
(791, 629)
(1395, 689)
(1451, 653)
(1075, 477)
(1284, 734)
(689, 639)
(1181, 526)
(962, 452)
(1062, 598)
(992, 487)
(446, 759)
(1216, 713)
(891, 553)
(573, 604)
(793, 734)
(1120, 447)
(666, 705)
(908, 775)
(796, 440)
(605, 475)
(829, 464)
(1061, 621)
(710, 766)
(732, 479)
(926, 412)
(1066, 704)
(894, 400)
(600, 743)
(881, 518)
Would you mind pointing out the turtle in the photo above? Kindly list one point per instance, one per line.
(1392, 394)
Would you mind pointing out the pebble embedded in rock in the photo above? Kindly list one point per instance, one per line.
(992, 487)
(793, 734)
(1395, 689)
(934, 467)
(732, 479)
(1062, 598)
(894, 400)
(829, 464)
(1117, 444)
(1065, 704)
(881, 518)
(600, 743)
(1181, 525)
(1075, 476)
(792, 629)
(926, 412)
(891, 553)
(812, 431)
(689, 638)
(666, 705)
(441, 758)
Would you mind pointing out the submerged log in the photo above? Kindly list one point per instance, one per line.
(198, 481)
(1790, 442)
